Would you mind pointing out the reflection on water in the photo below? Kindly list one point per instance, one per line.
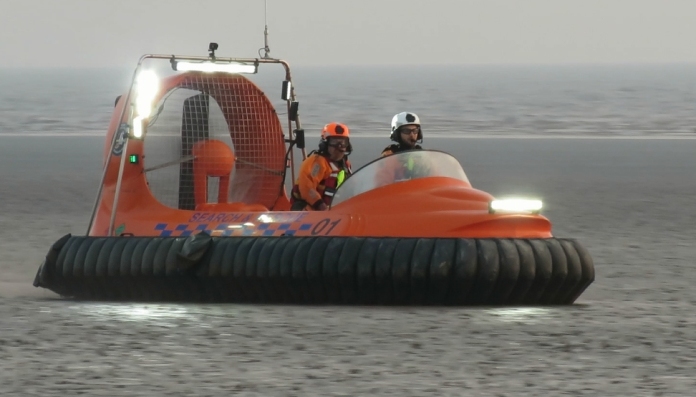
(207, 315)
(132, 312)
(166, 315)
(528, 315)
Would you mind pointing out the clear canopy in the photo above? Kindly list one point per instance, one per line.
(397, 168)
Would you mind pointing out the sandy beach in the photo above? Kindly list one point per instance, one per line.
(630, 202)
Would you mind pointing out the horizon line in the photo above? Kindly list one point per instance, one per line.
(393, 65)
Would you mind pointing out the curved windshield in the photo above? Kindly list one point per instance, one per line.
(397, 168)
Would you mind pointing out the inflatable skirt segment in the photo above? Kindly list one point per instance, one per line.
(319, 270)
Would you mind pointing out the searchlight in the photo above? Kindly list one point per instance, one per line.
(212, 67)
(146, 87)
(515, 206)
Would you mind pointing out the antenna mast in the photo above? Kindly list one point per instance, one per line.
(265, 31)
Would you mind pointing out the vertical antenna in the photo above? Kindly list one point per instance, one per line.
(265, 32)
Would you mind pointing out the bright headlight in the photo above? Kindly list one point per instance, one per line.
(147, 87)
(515, 205)
(138, 127)
(215, 67)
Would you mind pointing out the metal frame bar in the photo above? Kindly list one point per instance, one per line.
(128, 106)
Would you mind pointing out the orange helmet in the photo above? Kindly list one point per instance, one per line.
(336, 130)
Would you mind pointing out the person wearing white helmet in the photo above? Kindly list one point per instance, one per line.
(406, 132)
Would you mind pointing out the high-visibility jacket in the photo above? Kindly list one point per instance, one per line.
(318, 180)
(392, 169)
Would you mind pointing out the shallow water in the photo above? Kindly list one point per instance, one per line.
(594, 348)
(630, 202)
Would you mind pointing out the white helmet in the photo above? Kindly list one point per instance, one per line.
(404, 118)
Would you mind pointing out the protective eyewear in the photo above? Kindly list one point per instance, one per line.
(409, 131)
(339, 144)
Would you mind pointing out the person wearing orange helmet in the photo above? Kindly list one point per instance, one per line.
(323, 171)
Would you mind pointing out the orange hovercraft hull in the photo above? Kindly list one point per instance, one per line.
(247, 246)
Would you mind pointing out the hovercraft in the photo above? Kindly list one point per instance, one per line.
(193, 206)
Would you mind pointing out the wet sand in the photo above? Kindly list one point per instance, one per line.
(630, 202)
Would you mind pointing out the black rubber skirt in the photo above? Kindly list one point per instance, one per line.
(319, 270)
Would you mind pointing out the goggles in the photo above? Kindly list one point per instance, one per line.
(409, 131)
(339, 143)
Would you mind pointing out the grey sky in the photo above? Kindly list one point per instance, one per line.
(116, 32)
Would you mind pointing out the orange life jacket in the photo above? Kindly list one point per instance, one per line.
(319, 184)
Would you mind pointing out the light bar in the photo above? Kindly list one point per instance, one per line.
(515, 206)
(147, 85)
(138, 127)
(214, 67)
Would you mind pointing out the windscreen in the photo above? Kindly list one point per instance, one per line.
(398, 168)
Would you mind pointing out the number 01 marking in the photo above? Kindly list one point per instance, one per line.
(324, 227)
